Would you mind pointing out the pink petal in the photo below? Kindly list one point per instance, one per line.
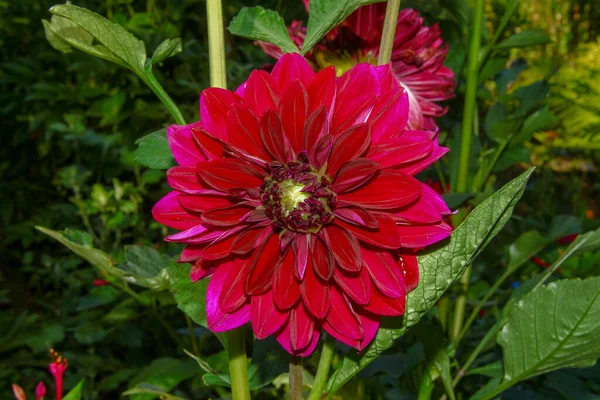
(183, 146)
(232, 295)
(217, 320)
(271, 134)
(417, 236)
(169, 212)
(214, 105)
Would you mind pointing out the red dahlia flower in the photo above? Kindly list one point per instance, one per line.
(417, 58)
(296, 193)
(57, 367)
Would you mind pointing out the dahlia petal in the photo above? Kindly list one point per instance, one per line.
(316, 127)
(354, 174)
(321, 151)
(225, 174)
(187, 234)
(210, 145)
(257, 215)
(315, 293)
(386, 236)
(286, 290)
(265, 317)
(385, 273)
(383, 305)
(417, 236)
(357, 216)
(261, 93)
(213, 235)
(430, 208)
(272, 136)
(217, 320)
(321, 90)
(418, 166)
(387, 78)
(353, 112)
(322, 260)
(218, 249)
(186, 180)
(262, 265)
(243, 129)
(291, 67)
(301, 327)
(214, 104)
(202, 269)
(349, 145)
(344, 247)
(366, 21)
(183, 146)
(387, 191)
(370, 325)
(341, 316)
(410, 270)
(228, 216)
(169, 212)
(283, 337)
(340, 337)
(300, 247)
(233, 296)
(403, 150)
(249, 240)
(294, 106)
(203, 202)
(390, 114)
(357, 286)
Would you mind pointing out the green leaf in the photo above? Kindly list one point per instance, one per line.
(531, 37)
(555, 326)
(535, 122)
(146, 267)
(455, 200)
(265, 25)
(190, 297)
(162, 375)
(438, 271)
(96, 257)
(152, 390)
(168, 48)
(98, 297)
(525, 247)
(80, 28)
(512, 156)
(324, 15)
(153, 151)
(75, 393)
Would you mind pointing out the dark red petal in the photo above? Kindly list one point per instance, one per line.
(244, 131)
(418, 236)
(349, 145)
(218, 249)
(261, 93)
(410, 270)
(382, 305)
(316, 127)
(229, 216)
(344, 247)
(214, 104)
(321, 151)
(186, 180)
(390, 114)
(341, 316)
(283, 337)
(202, 269)
(218, 320)
(357, 286)
(385, 273)
(249, 240)
(301, 327)
(386, 236)
(321, 90)
(430, 208)
(358, 216)
(265, 317)
(354, 112)
(387, 191)
(203, 202)
(322, 259)
(182, 145)
(210, 145)
(226, 174)
(294, 109)
(292, 67)
(354, 174)
(271, 134)
(315, 293)
(286, 290)
(232, 295)
(168, 211)
(262, 265)
(400, 151)
(300, 247)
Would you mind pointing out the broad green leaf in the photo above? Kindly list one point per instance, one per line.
(266, 25)
(190, 297)
(455, 200)
(163, 375)
(75, 393)
(438, 271)
(535, 122)
(168, 48)
(324, 15)
(95, 257)
(531, 37)
(153, 151)
(512, 156)
(97, 297)
(151, 390)
(525, 247)
(589, 241)
(555, 326)
(82, 27)
(146, 267)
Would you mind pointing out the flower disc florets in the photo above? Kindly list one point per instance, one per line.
(297, 197)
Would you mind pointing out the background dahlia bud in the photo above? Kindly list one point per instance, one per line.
(18, 392)
(40, 391)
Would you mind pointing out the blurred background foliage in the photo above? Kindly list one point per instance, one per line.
(69, 127)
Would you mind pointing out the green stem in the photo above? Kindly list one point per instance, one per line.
(323, 369)
(192, 334)
(150, 80)
(236, 350)
(389, 32)
(296, 372)
(465, 148)
(426, 386)
(216, 44)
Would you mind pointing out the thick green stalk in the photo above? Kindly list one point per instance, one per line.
(323, 369)
(465, 148)
(389, 32)
(296, 373)
(236, 344)
(150, 80)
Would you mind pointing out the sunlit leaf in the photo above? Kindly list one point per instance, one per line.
(153, 151)
(531, 37)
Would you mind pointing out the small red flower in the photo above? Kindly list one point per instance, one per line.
(57, 368)
(100, 282)
(296, 193)
(417, 57)
(40, 391)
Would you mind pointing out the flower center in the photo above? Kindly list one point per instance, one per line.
(297, 197)
(343, 61)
